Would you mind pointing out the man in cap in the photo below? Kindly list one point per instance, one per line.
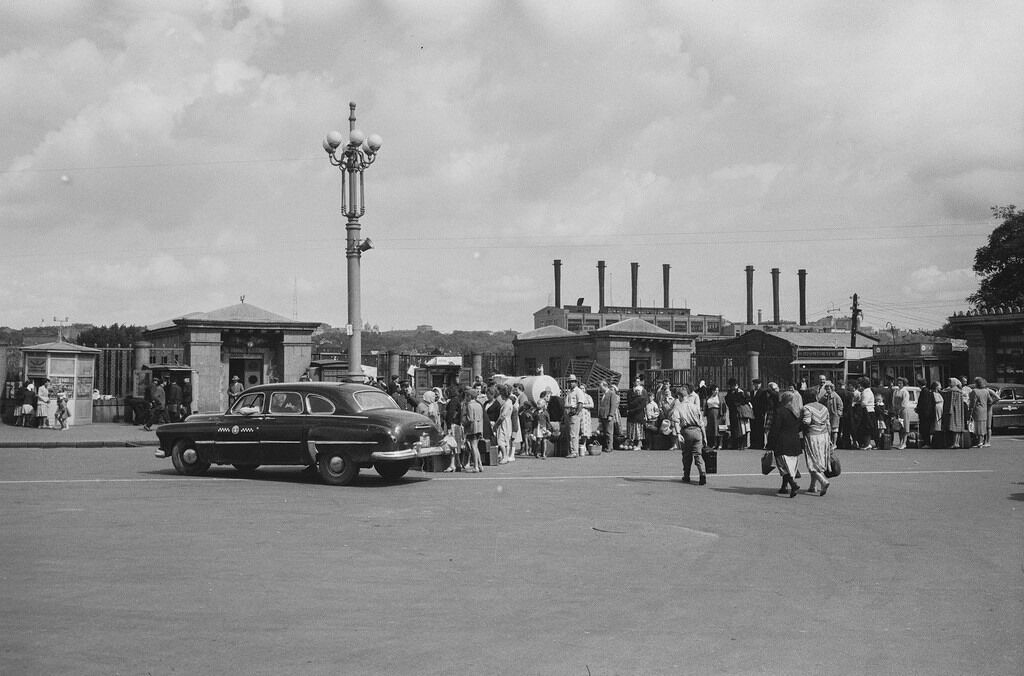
(573, 414)
(234, 390)
(157, 401)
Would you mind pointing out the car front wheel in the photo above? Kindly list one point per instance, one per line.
(336, 469)
(186, 459)
(392, 471)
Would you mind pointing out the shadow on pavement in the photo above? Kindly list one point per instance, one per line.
(746, 490)
(366, 479)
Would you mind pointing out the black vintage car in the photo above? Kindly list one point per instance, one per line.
(336, 428)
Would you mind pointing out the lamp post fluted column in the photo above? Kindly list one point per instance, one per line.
(352, 159)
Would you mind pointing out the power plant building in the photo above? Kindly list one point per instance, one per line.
(580, 318)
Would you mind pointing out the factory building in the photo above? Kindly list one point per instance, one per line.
(581, 318)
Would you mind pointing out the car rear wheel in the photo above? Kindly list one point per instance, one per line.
(186, 459)
(336, 469)
(245, 469)
(392, 471)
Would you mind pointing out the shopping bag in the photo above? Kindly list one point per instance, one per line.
(767, 462)
(710, 461)
(834, 468)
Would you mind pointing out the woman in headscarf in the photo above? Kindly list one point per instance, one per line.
(982, 400)
(428, 407)
(834, 403)
(953, 412)
(784, 438)
(817, 428)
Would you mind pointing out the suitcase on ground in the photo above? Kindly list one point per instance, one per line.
(885, 441)
(710, 461)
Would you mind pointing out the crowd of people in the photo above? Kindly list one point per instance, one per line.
(39, 407)
(792, 420)
(169, 401)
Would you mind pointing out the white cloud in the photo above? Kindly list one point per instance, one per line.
(931, 282)
(725, 133)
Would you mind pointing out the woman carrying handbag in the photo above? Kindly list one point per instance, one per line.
(784, 438)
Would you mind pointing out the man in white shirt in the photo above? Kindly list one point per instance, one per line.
(574, 415)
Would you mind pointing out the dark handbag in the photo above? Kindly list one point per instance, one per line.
(834, 467)
(767, 462)
(710, 461)
(745, 411)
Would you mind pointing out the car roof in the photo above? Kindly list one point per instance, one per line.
(315, 386)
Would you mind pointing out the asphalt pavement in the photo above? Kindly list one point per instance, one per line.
(114, 564)
(95, 435)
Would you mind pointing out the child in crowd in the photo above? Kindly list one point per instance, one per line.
(62, 414)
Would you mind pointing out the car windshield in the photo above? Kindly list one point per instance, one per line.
(367, 400)
(248, 404)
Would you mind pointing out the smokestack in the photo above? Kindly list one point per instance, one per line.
(803, 296)
(750, 296)
(634, 268)
(664, 275)
(775, 295)
(759, 316)
(558, 282)
(600, 286)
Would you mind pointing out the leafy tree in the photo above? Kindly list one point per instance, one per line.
(1000, 263)
(110, 336)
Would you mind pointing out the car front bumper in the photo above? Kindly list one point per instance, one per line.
(408, 453)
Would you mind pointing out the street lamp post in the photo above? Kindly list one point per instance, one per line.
(351, 159)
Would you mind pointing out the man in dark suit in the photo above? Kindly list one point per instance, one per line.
(607, 407)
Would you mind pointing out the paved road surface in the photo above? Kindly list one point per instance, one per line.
(113, 564)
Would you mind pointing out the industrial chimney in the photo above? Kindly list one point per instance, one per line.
(775, 295)
(750, 295)
(664, 275)
(634, 269)
(558, 282)
(600, 286)
(803, 296)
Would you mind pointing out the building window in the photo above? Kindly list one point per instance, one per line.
(530, 365)
(665, 324)
(714, 327)
(555, 364)
(574, 325)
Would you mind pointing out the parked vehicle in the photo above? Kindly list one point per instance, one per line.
(338, 428)
(1008, 411)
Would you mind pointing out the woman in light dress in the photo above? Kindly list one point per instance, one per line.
(817, 430)
(982, 399)
(902, 406)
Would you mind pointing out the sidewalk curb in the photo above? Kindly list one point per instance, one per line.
(79, 444)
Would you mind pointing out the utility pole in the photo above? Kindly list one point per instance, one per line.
(855, 313)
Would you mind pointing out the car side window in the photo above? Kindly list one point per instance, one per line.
(252, 403)
(285, 402)
(318, 404)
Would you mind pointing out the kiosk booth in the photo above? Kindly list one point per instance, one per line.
(71, 370)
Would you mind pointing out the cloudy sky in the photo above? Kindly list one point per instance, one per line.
(160, 158)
